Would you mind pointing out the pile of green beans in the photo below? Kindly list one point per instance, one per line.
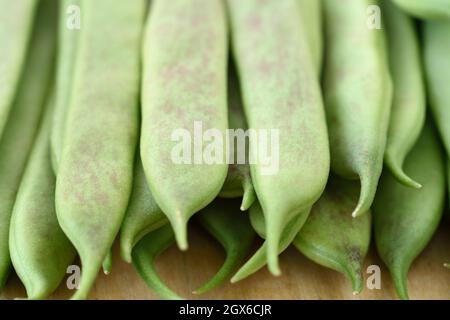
(356, 91)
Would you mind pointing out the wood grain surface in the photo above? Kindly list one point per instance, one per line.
(301, 278)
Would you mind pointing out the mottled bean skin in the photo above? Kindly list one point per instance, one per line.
(67, 51)
(437, 69)
(405, 219)
(16, 19)
(358, 94)
(332, 237)
(280, 91)
(144, 255)
(426, 9)
(40, 251)
(96, 170)
(143, 214)
(23, 122)
(238, 182)
(184, 81)
(224, 221)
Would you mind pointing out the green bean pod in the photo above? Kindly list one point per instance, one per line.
(23, 122)
(238, 182)
(437, 69)
(281, 97)
(68, 40)
(143, 214)
(144, 255)
(224, 221)
(426, 9)
(311, 11)
(408, 104)
(184, 85)
(95, 174)
(405, 219)
(331, 237)
(16, 22)
(259, 259)
(358, 92)
(40, 251)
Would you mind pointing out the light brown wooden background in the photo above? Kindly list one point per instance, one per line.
(301, 279)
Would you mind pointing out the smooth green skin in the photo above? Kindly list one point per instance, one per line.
(96, 170)
(40, 251)
(334, 239)
(405, 219)
(238, 182)
(426, 9)
(409, 102)
(281, 91)
(23, 122)
(224, 221)
(184, 80)
(259, 259)
(143, 214)
(437, 69)
(144, 255)
(67, 51)
(311, 11)
(358, 94)
(16, 22)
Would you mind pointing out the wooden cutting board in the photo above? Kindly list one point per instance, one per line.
(301, 279)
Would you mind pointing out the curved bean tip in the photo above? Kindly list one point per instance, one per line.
(359, 211)
(246, 270)
(402, 177)
(125, 253)
(179, 225)
(249, 196)
(400, 283)
(272, 260)
(236, 278)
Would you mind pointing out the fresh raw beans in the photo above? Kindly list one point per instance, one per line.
(358, 91)
(437, 67)
(331, 237)
(143, 214)
(238, 182)
(184, 83)
(23, 122)
(426, 9)
(15, 30)
(281, 92)
(405, 219)
(408, 104)
(224, 98)
(67, 51)
(94, 178)
(40, 251)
